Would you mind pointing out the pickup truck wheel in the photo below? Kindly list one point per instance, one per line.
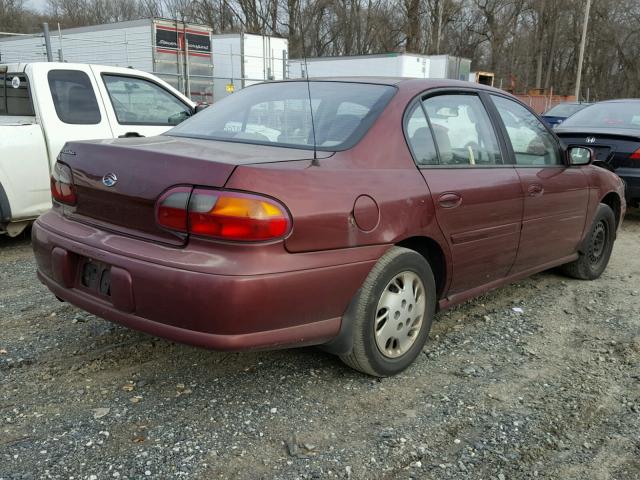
(393, 313)
(597, 248)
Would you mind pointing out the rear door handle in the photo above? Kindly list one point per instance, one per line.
(535, 190)
(450, 200)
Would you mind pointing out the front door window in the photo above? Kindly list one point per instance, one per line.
(137, 101)
(531, 142)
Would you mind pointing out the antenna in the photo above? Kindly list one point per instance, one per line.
(314, 162)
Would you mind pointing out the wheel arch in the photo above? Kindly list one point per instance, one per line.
(434, 254)
(613, 201)
(5, 207)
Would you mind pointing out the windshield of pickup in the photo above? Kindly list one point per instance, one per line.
(14, 95)
(279, 114)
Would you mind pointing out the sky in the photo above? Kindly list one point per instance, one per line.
(38, 5)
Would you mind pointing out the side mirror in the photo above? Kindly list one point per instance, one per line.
(179, 117)
(200, 107)
(579, 156)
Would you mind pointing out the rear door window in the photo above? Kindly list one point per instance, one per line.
(137, 101)
(15, 99)
(420, 137)
(74, 97)
(462, 130)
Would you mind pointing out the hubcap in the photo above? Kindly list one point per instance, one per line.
(598, 242)
(400, 314)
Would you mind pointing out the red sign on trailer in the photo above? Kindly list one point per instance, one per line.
(172, 39)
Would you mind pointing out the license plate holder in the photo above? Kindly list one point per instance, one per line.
(96, 276)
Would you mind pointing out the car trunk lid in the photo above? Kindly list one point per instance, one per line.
(119, 181)
(612, 146)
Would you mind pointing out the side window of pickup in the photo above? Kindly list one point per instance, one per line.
(15, 98)
(137, 101)
(73, 97)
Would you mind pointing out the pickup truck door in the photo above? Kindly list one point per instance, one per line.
(139, 104)
(67, 105)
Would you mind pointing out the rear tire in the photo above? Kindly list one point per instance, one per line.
(597, 247)
(392, 314)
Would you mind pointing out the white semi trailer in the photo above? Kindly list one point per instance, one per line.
(383, 65)
(243, 59)
(187, 56)
(407, 65)
(448, 66)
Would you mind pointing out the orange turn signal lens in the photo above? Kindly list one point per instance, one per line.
(236, 216)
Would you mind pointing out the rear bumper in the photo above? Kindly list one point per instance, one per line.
(222, 312)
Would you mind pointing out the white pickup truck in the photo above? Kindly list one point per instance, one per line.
(44, 105)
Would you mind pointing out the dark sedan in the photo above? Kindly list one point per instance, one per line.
(612, 130)
(341, 213)
(559, 113)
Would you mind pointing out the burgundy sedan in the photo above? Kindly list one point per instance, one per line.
(341, 213)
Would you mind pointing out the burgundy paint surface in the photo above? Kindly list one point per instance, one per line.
(492, 225)
(555, 211)
(483, 230)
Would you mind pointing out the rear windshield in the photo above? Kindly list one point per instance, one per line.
(14, 95)
(565, 109)
(607, 115)
(280, 114)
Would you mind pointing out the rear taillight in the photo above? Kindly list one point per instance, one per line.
(171, 209)
(62, 188)
(635, 155)
(222, 214)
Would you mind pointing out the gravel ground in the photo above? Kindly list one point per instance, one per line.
(552, 392)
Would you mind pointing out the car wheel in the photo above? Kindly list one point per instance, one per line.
(392, 314)
(597, 247)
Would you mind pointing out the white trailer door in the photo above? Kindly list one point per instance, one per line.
(68, 105)
(139, 104)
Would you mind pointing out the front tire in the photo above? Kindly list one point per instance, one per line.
(597, 247)
(392, 314)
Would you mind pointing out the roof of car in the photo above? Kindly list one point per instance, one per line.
(383, 80)
(622, 100)
(410, 83)
(379, 80)
(573, 103)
